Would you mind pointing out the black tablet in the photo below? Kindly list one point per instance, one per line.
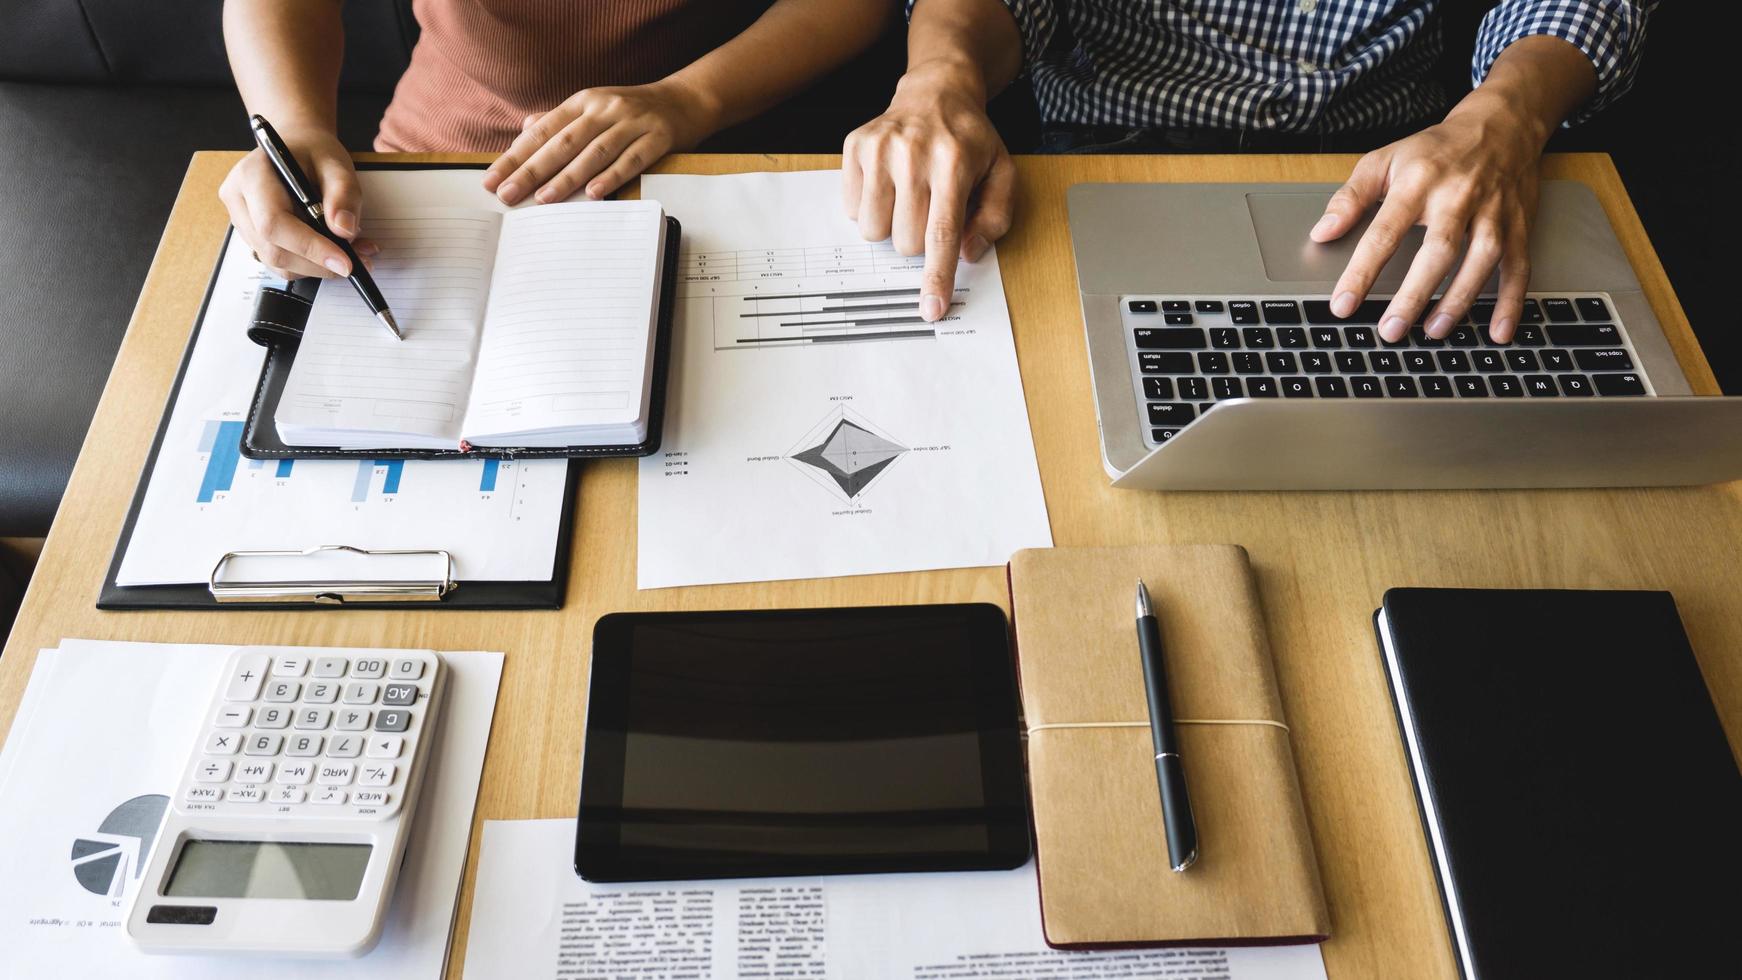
(801, 742)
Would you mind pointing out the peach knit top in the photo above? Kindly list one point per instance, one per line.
(481, 66)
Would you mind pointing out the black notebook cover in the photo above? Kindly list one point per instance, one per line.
(1581, 802)
(279, 316)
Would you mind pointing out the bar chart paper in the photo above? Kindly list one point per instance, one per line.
(816, 425)
(499, 518)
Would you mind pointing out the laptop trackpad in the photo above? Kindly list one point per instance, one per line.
(1282, 221)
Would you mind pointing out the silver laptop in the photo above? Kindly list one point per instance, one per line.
(1217, 364)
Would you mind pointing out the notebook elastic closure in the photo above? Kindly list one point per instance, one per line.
(281, 313)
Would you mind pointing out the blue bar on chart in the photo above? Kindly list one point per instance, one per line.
(488, 483)
(366, 471)
(223, 440)
(209, 435)
(360, 489)
(255, 464)
(284, 468)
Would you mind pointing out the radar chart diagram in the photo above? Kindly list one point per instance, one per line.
(845, 454)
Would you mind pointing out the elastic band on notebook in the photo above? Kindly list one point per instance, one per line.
(1144, 724)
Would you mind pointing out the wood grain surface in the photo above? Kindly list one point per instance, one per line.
(1322, 559)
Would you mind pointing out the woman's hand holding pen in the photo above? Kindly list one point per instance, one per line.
(598, 139)
(263, 213)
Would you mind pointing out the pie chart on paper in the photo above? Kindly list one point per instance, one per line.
(122, 844)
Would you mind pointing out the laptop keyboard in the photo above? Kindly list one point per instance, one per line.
(1189, 352)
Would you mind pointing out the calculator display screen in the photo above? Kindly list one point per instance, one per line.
(802, 742)
(268, 869)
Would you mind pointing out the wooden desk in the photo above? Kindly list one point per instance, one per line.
(1323, 559)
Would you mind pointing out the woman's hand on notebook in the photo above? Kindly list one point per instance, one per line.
(597, 140)
(262, 211)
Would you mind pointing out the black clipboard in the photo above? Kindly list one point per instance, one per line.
(279, 316)
(533, 594)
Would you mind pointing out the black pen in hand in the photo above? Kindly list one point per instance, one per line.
(308, 208)
(1170, 775)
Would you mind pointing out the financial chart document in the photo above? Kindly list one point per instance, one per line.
(74, 848)
(499, 518)
(815, 424)
(534, 919)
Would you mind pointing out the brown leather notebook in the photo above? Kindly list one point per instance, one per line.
(1104, 874)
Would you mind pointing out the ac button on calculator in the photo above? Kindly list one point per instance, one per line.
(286, 833)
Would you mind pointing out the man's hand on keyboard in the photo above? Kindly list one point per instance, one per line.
(1472, 181)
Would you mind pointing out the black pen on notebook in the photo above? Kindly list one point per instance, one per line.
(307, 197)
(1176, 807)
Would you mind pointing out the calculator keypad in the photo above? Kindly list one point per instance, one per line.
(327, 736)
(223, 742)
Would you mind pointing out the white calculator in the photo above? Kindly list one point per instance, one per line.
(286, 833)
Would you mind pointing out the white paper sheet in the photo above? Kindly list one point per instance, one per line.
(570, 325)
(569, 289)
(106, 728)
(533, 919)
(28, 704)
(814, 425)
(353, 376)
(499, 519)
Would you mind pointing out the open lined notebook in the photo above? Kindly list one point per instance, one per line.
(532, 328)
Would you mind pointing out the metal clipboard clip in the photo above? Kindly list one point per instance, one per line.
(336, 592)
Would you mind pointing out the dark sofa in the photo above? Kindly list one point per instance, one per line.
(101, 104)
